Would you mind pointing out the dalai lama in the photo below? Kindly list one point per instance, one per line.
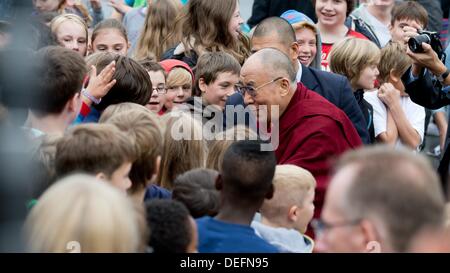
(312, 131)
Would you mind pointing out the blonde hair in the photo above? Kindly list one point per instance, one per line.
(68, 17)
(225, 139)
(86, 211)
(179, 77)
(303, 25)
(181, 155)
(292, 185)
(115, 109)
(393, 59)
(142, 129)
(159, 22)
(351, 55)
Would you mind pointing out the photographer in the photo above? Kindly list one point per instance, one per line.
(428, 83)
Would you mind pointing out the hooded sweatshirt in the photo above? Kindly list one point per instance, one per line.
(298, 20)
(285, 240)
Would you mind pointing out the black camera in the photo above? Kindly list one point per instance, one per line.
(429, 37)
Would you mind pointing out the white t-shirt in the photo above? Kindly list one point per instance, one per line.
(381, 30)
(414, 113)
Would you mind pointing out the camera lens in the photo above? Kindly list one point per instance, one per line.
(415, 43)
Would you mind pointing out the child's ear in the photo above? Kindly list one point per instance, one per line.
(101, 176)
(219, 183)
(73, 103)
(202, 84)
(393, 78)
(270, 192)
(293, 213)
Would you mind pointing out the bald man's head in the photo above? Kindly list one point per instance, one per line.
(270, 60)
(275, 32)
(277, 28)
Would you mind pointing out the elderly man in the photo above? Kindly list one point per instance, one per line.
(312, 131)
(379, 200)
(277, 33)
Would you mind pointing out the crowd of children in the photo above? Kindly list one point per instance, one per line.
(136, 149)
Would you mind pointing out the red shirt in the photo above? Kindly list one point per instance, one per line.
(326, 48)
(312, 134)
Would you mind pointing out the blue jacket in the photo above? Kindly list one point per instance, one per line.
(337, 90)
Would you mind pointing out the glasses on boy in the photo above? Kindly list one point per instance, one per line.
(160, 89)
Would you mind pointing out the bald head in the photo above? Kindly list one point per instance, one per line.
(272, 61)
(277, 28)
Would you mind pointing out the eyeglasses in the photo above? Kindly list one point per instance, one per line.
(160, 89)
(242, 89)
(320, 225)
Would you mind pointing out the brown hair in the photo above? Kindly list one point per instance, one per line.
(350, 56)
(197, 191)
(393, 58)
(181, 153)
(142, 129)
(59, 77)
(152, 66)
(93, 148)
(204, 25)
(132, 81)
(210, 65)
(159, 22)
(409, 10)
(398, 187)
(225, 139)
(106, 24)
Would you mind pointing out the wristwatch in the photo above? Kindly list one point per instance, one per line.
(441, 78)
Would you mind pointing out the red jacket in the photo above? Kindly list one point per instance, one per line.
(313, 133)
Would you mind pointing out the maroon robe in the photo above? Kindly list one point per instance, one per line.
(313, 132)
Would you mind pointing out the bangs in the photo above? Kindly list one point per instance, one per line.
(179, 77)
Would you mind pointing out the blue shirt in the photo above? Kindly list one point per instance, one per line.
(215, 236)
(155, 192)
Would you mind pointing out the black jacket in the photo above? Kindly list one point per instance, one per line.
(337, 90)
(426, 92)
(263, 9)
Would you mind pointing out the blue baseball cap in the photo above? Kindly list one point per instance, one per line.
(293, 17)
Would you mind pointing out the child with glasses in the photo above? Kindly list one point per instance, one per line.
(158, 77)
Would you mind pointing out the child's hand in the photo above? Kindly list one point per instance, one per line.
(120, 6)
(99, 85)
(389, 95)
